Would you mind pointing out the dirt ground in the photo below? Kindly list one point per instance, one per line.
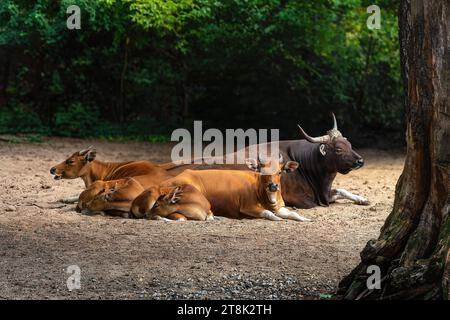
(140, 259)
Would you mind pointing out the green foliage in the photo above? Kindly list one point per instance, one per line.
(21, 119)
(76, 120)
(142, 68)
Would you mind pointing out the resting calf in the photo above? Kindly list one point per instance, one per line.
(111, 197)
(183, 202)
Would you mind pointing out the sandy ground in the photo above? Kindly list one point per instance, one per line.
(140, 259)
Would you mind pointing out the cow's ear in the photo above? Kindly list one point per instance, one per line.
(85, 151)
(322, 149)
(90, 156)
(175, 196)
(290, 166)
(252, 164)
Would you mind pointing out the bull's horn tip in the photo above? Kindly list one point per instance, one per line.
(334, 120)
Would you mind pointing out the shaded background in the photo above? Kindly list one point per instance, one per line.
(139, 69)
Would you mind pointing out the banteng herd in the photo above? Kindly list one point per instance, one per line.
(301, 176)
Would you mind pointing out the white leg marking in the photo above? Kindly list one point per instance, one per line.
(292, 215)
(69, 200)
(161, 218)
(344, 194)
(270, 216)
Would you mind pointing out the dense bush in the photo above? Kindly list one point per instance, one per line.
(77, 120)
(138, 68)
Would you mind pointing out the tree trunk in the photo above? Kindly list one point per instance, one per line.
(412, 250)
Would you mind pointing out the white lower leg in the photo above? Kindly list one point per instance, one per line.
(292, 215)
(160, 218)
(270, 215)
(69, 199)
(344, 194)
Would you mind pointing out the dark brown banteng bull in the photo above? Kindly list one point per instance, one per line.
(83, 165)
(320, 158)
(242, 194)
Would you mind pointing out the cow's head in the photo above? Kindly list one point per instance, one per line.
(75, 166)
(121, 190)
(168, 196)
(270, 171)
(88, 194)
(336, 150)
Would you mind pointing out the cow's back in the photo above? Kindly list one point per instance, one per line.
(146, 173)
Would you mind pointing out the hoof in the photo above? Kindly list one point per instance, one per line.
(363, 202)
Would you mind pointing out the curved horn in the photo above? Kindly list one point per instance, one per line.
(334, 122)
(334, 132)
(322, 139)
(83, 152)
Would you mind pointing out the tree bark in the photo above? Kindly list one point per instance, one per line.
(412, 250)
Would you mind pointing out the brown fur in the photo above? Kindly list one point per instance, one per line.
(232, 193)
(83, 165)
(110, 196)
(183, 202)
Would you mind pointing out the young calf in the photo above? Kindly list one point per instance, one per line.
(240, 194)
(111, 197)
(183, 202)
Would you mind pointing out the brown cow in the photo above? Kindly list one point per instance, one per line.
(184, 202)
(243, 194)
(83, 165)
